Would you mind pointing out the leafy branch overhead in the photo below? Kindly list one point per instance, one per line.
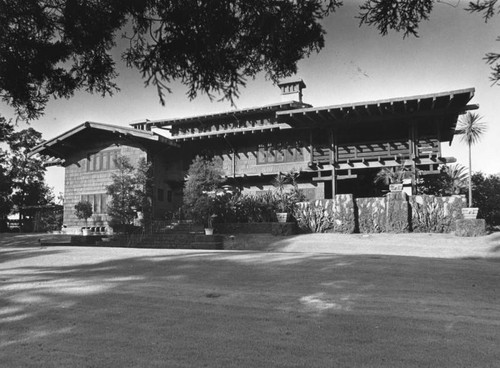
(406, 15)
(53, 48)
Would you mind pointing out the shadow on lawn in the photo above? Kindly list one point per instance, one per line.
(17, 254)
(59, 307)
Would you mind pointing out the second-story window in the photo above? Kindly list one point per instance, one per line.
(102, 161)
(272, 153)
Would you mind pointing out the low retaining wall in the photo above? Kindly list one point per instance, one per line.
(327, 215)
(244, 228)
(396, 212)
(274, 228)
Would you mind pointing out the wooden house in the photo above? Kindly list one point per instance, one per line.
(337, 149)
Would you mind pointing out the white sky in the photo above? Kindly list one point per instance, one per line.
(357, 64)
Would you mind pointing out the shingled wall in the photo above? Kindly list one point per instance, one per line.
(78, 181)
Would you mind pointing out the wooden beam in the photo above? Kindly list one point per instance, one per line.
(429, 172)
(338, 177)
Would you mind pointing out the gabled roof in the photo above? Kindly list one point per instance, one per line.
(238, 114)
(60, 147)
(445, 104)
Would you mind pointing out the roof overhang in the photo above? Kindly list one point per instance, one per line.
(227, 115)
(446, 105)
(58, 149)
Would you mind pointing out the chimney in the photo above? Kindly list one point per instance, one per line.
(292, 90)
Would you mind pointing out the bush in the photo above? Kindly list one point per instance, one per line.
(130, 191)
(83, 210)
(486, 196)
(204, 177)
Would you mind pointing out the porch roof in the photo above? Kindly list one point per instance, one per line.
(447, 105)
(57, 149)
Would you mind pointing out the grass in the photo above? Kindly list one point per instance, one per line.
(116, 307)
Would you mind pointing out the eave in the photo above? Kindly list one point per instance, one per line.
(445, 105)
(223, 116)
(58, 149)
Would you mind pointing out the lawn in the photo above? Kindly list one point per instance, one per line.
(116, 307)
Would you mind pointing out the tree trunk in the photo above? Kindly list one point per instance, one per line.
(470, 177)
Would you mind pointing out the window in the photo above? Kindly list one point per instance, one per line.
(169, 196)
(161, 195)
(98, 201)
(102, 161)
(270, 153)
(105, 161)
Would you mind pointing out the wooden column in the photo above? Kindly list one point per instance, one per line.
(438, 135)
(311, 160)
(413, 146)
(333, 148)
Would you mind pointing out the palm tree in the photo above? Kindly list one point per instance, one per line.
(471, 128)
(458, 177)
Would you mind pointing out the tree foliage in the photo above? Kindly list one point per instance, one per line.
(451, 180)
(406, 15)
(52, 48)
(83, 210)
(486, 197)
(471, 129)
(130, 191)
(22, 181)
(204, 176)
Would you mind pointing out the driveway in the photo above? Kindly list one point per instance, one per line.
(118, 307)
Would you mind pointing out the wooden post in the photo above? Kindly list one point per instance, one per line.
(333, 148)
(311, 160)
(413, 146)
(438, 135)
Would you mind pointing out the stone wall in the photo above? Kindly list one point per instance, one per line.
(327, 215)
(395, 212)
(435, 214)
(398, 212)
(371, 214)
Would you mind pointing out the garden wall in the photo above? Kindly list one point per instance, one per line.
(327, 215)
(435, 214)
(395, 212)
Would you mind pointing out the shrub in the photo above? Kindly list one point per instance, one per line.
(130, 192)
(486, 196)
(83, 210)
(204, 177)
(285, 200)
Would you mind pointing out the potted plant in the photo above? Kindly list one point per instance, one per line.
(285, 200)
(83, 210)
(395, 178)
(209, 229)
(280, 197)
